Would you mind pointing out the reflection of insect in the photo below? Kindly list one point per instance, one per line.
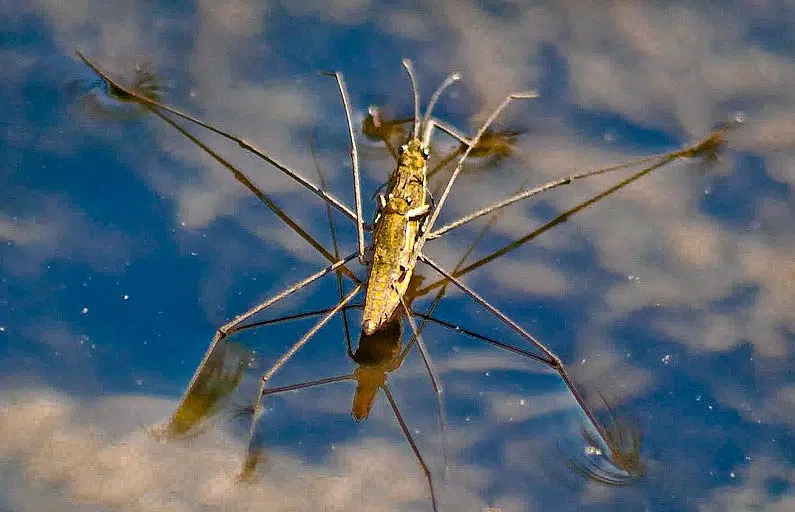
(405, 220)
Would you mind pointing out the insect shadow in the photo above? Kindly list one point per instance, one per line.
(405, 220)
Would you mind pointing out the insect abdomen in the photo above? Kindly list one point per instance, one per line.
(386, 275)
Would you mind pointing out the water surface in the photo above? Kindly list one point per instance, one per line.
(125, 247)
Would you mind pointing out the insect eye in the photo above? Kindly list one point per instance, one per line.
(426, 153)
(402, 149)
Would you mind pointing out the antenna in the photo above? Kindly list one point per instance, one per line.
(451, 78)
(410, 70)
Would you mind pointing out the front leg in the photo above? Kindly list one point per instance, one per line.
(418, 212)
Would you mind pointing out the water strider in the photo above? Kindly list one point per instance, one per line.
(405, 221)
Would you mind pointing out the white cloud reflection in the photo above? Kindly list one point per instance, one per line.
(89, 452)
(93, 454)
(56, 231)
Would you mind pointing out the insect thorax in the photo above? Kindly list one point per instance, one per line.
(408, 180)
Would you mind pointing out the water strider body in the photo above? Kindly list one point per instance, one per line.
(395, 235)
(404, 222)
